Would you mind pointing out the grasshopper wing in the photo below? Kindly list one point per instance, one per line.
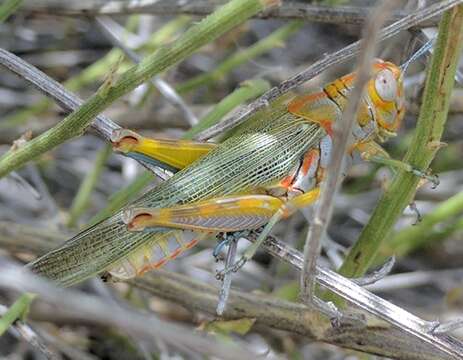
(258, 157)
(89, 252)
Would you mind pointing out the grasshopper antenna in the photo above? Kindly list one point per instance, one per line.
(422, 50)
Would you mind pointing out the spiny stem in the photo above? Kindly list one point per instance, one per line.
(94, 72)
(430, 125)
(211, 27)
(8, 8)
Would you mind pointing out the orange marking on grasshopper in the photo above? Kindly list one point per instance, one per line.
(138, 220)
(296, 106)
(168, 257)
(308, 160)
(144, 269)
(129, 139)
(328, 126)
(298, 103)
(175, 253)
(191, 244)
(123, 140)
(69, 265)
(348, 79)
(287, 181)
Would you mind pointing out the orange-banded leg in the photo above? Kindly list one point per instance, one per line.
(372, 151)
(224, 214)
(284, 211)
(163, 248)
(171, 155)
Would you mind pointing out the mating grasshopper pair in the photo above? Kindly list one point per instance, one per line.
(266, 169)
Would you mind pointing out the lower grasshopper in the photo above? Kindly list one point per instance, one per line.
(265, 170)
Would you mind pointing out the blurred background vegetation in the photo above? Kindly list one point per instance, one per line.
(82, 181)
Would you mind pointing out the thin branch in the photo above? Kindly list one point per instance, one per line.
(28, 238)
(13, 318)
(18, 310)
(29, 335)
(411, 238)
(97, 311)
(367, 301)
(345, 288)
(227, 17)
(247, 90)
(288, 316)
(88, 76)
(169, 93)
(338, 57)
(341, 141)
(275, 39)
(288, 10)
(63, 97)
(447, 327)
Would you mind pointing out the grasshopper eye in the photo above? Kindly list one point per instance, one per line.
(386, 85)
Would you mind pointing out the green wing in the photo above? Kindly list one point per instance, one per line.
(260, 156)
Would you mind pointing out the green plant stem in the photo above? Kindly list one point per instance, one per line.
(247, 91)
(250, 89)
(82, 198)
(275, 39)
(414, 237)
(94, 72)
(17, 311)
(430, 125)
(211, 27)
(8, 8)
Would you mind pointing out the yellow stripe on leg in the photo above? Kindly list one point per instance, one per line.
(175, 153)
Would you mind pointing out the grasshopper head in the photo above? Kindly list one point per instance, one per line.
(386, 93)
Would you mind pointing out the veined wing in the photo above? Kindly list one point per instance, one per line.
(89, 252)
(241, 164)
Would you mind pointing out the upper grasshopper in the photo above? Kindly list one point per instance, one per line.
(265, 170)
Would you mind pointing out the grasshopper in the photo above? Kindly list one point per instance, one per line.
(266, 169)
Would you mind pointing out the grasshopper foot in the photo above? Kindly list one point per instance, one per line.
(432, 178)
(233, 268)
(414, 208)
(222, 241)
